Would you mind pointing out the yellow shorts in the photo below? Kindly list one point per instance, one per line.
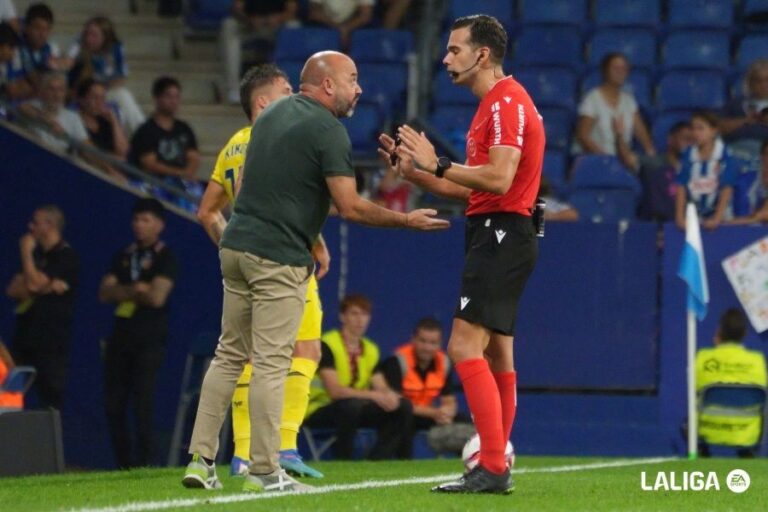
(312, 320)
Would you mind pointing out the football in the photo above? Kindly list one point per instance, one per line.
(471, 453)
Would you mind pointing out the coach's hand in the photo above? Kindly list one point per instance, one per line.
(424, 220)
(417, 146)
(322, 257)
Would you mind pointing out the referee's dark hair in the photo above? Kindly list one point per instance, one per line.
(162, 84)
(733, 325)
(41, 11)
(485, 30)
(428, 324)
(149, 205)
(254, 78)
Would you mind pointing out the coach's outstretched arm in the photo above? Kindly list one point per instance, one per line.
(354, 208)
(496, 176)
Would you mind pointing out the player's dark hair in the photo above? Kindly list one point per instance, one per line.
(485, 30)
(680, 125)
(733, 325)
(149, 205)
(356, 299)
(428, 324)
(8, 36)
(708, 116)
(605, 62)
(254, 78)
(162, 84)
(41, 11)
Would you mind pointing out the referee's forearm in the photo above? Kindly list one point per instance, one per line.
(440, 187)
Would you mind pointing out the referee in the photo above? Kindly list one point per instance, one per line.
(499, 183)
(298, 159)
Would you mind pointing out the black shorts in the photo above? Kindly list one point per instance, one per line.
(500, 253)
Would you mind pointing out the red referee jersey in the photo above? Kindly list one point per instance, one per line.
(507, 117)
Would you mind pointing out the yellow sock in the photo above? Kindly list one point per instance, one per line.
(241, 422)
(296, 400)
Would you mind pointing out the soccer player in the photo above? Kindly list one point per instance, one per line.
(260, 86)
(505, 149)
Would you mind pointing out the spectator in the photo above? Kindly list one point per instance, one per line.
(13, 83)
(346, 16)
(45, 291)
(38, 54)
(52, 121)
(422, 373)
(745, 119)
(757, 193)
(347, 395)
(393, 192)
(8, 14)
(606, 103)
(255, 20)
(707, 174)
(101, 123)
(729, 362)
(12, 400)
(139, 283)
(99, 55)
(166, 146)
(556, 209)
(656, 172)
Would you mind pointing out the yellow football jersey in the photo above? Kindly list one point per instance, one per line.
(230, 162)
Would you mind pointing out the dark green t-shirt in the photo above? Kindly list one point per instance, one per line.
(295, 144)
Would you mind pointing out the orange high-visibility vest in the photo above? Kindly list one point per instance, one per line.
(9, 399)
(418, 391)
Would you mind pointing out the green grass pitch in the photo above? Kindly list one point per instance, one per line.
(542, 484)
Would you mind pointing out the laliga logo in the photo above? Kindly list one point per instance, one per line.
(737, 481)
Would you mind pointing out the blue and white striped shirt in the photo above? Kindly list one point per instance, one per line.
(704, 179)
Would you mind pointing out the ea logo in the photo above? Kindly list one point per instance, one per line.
(471, 147)
(738, 481)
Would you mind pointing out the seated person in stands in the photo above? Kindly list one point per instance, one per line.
(556, 209)
(13, 83)
(255, 21)
(656, 172)
(164, 145)
(745, 119)
(8, 14)
(346, 394)
(394, 192)
(8, 399)
(99, 55)
(757, 193)
(37, 53)
(345, 17)
(707, 174)
(606, 103)
(729, 362)
(49, 118)
(101, 123)
(421, 372)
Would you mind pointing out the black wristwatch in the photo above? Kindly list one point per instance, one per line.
(443, 164)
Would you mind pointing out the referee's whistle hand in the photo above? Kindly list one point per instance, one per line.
(425, 219)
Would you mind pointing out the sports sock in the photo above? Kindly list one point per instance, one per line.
(507, 384)
(485, 406)
(296, 400)
(241, 422)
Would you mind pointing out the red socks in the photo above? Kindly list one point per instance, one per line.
(507, 384)
(485, 405)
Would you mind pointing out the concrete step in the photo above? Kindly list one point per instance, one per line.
(194, 90)
(193, 50)
(174, 66)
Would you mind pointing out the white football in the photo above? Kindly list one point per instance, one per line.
(471, 453)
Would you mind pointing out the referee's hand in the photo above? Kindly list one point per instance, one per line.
(425, 220)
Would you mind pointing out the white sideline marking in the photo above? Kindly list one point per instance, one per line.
(369, 484)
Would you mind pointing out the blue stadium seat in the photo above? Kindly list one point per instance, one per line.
(661, 126)
(500, 9)
(689, 49)
(637, 44)
(558, 126)
(206, 15)
(603, 190)
(300, 43)
(293, 69)
(549, 87)
(701, 13)
(447, 93)
(549, 46)
(688, 90)
(561, 12)
(754, 9)
(364, 128)
(638, 83)
(752, 47)
(383, 84)
(452, 121)
(555, 169)
(381, 45)
(627, 13)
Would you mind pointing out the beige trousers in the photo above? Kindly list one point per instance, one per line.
(263, 304)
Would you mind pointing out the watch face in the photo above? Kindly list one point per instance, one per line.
(444, 162)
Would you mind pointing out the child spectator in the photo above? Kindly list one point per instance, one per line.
(757, 193)
(38, 55)
(556, 209)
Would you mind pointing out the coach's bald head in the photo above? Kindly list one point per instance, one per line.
(331, 78)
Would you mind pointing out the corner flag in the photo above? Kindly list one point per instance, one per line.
(692, 269)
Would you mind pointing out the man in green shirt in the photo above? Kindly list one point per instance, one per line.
(298, 159)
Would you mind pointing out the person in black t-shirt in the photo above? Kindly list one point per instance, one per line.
(101, 123)
(139, 283)
(45, 290)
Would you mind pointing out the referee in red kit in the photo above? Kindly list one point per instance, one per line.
(499, 183)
